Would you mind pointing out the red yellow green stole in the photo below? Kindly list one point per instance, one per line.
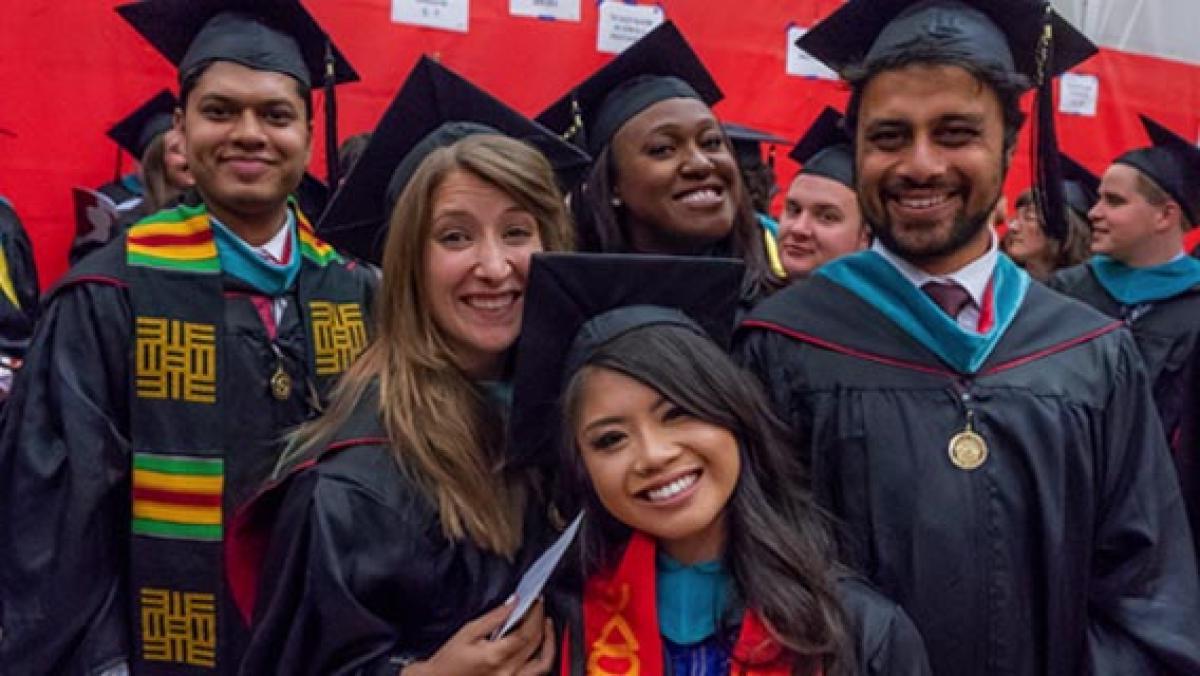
(193, 415)
(620, 626)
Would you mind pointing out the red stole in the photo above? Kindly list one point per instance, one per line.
(620, 625)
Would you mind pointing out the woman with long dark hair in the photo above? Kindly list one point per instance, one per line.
(702, 551)
(664, 178)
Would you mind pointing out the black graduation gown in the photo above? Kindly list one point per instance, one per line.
(1067, 552)
(1167, 334)
(65, 465)
(886, 642)
(358, 575)
(16, 323)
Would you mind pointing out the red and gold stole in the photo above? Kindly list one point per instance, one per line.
(620, 625)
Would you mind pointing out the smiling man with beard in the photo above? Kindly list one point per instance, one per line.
(169, 364)
(990, 447)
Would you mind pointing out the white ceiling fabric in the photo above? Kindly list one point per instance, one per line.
(1169, 29)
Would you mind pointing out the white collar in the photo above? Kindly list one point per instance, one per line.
(974, 276)
(275, 247)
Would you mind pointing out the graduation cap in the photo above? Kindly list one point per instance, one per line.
(139, 128)
(435, 107)
(659, 66)
(747, 143)
(1172, 163)
(1081, 188)
(1016, 36)
(273, 35)
(575, 303)
(1001, 33)
(825, 149)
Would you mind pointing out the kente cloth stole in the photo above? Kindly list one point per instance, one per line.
(185, 456)
(620, 626)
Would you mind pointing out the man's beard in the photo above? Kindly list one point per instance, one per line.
(962, 232)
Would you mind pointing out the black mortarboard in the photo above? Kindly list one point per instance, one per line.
(1015, 36)
(825, 149)
(659, 66)
(434, 108)
(1081, 188)
(275, 35)
(1172, 163)
(569, 301)
(747, 143)
(139, 128)
(1002, 33)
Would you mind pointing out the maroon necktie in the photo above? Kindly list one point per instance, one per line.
(950, 296)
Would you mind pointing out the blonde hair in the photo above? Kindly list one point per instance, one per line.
(443, 433)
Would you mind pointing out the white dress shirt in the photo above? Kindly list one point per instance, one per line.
(974, 277)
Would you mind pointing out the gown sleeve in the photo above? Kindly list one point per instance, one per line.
(323, 554)
(757, 351)
(1144, 600)
(64, 490)
(887, 642)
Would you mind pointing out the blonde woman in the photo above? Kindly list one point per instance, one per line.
(400, 529)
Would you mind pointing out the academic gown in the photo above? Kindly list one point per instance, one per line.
(65, 465)
(1066, 552)
(1167, 333)
(358, 577)
(17, 321)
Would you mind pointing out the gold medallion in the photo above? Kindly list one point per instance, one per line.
(968, 450)
(281, 384)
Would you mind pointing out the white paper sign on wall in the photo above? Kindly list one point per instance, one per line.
(1079, 94)
(623, 24)
(451, 15)
(559, 10)
(799, 62)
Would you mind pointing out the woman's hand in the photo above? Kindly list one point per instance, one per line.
(526, 651)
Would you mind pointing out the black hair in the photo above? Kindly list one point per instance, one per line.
(931, 51)
(188, 81)
(779, 551)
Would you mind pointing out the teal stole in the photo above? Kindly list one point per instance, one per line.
(1134, 286)
(242, 261)
(877, 282)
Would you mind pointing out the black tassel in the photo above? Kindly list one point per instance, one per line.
(1047, 169)
(331, 138)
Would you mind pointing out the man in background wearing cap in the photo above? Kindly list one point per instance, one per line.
(990, 447)
(1141, 275)
(168, 367)
(821, 219)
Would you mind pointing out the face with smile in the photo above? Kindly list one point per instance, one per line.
(655, 467)
(1123, 220)
(820, 221)
(247, 140)
(677, 179)
(476, 261)
(930, 163)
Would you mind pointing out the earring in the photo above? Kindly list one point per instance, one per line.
(616, 202)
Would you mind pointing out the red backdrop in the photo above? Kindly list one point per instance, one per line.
(71, 69)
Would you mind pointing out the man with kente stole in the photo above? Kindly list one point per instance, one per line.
(1141, 275)
(990, 447)
(170, 364)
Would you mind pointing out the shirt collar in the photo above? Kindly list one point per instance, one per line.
(973, 276)
(273, 249)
